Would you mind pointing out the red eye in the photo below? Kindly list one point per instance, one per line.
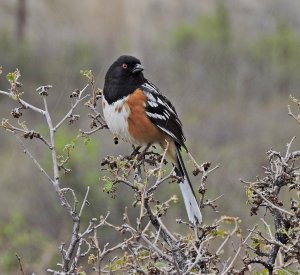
(125, 66)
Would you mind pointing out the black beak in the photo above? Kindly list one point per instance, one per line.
(137, 69)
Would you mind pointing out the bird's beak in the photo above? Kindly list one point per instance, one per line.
(137, 69)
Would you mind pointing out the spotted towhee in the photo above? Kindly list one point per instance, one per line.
(137, 112)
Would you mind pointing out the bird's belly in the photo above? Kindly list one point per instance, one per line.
(116, 116)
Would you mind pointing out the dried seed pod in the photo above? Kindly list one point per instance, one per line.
(116, 140)
(16, 112)
(44, 90)
(75, 93)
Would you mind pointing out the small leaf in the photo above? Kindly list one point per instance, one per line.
(219, 233)
(228, 219)
(11, 77)
(92, 259)
(256, 242)
(249, 193)
(108, 184)
(87, 73)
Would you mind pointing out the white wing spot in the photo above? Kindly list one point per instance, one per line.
(166, 114)
(152, 104)
(150, 87)
(151, 97)
(156, 116)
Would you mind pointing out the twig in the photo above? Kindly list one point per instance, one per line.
(26, 134)
(27, 152)
(159, 182)
(78, 100)
(162, 160)
(20, 264)
(84, 201)
(93, 227)
(64, 190)
(290, 113)
(268, 227)
(270, 203)
(87, 133)
(228, 236)
(119, 180)
(162, 225)
(118, 246)
(156, 249)
(238, 251)
(197, 260)
(24, 104)
(288, 149)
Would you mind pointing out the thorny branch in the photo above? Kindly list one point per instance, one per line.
(147, 245)
(176, 253)
(282, 172)
(69, 262)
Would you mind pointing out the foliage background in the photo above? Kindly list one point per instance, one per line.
(228, 67)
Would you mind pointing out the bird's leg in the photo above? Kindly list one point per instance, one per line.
(135, 150)
(137, 170)
(142, 154)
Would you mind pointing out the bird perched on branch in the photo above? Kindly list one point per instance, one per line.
(136, 111)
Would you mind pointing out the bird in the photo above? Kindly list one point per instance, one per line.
(136, 111)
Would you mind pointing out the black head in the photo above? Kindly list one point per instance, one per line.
(123, 77)
(125, 66)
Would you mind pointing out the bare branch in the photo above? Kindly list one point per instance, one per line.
(238, 251)
(228, 236)
(24, 104)
(270, 203)
(84, 201)
(69, 114)
(20, 264)
(27, 152)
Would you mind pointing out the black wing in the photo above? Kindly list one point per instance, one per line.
(162, 113)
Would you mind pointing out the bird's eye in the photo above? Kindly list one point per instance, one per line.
(125, 66)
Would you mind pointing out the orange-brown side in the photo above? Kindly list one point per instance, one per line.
(140, 126)
(143, 130)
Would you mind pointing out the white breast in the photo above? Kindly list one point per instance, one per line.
(116, 115)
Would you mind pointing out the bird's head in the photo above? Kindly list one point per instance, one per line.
(125, 67)
(123, 77)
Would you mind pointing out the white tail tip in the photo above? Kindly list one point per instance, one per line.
(191, 205)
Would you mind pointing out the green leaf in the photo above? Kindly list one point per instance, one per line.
(11, 77)
(228, 219)
(87, 73)
(257, 242)
(108, 184)
(220, 233)
(249, 193)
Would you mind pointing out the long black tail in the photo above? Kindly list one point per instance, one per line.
(189, 197)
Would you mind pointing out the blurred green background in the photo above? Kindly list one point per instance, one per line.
(228, 67)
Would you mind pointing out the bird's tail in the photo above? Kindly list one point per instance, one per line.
(189, 197)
